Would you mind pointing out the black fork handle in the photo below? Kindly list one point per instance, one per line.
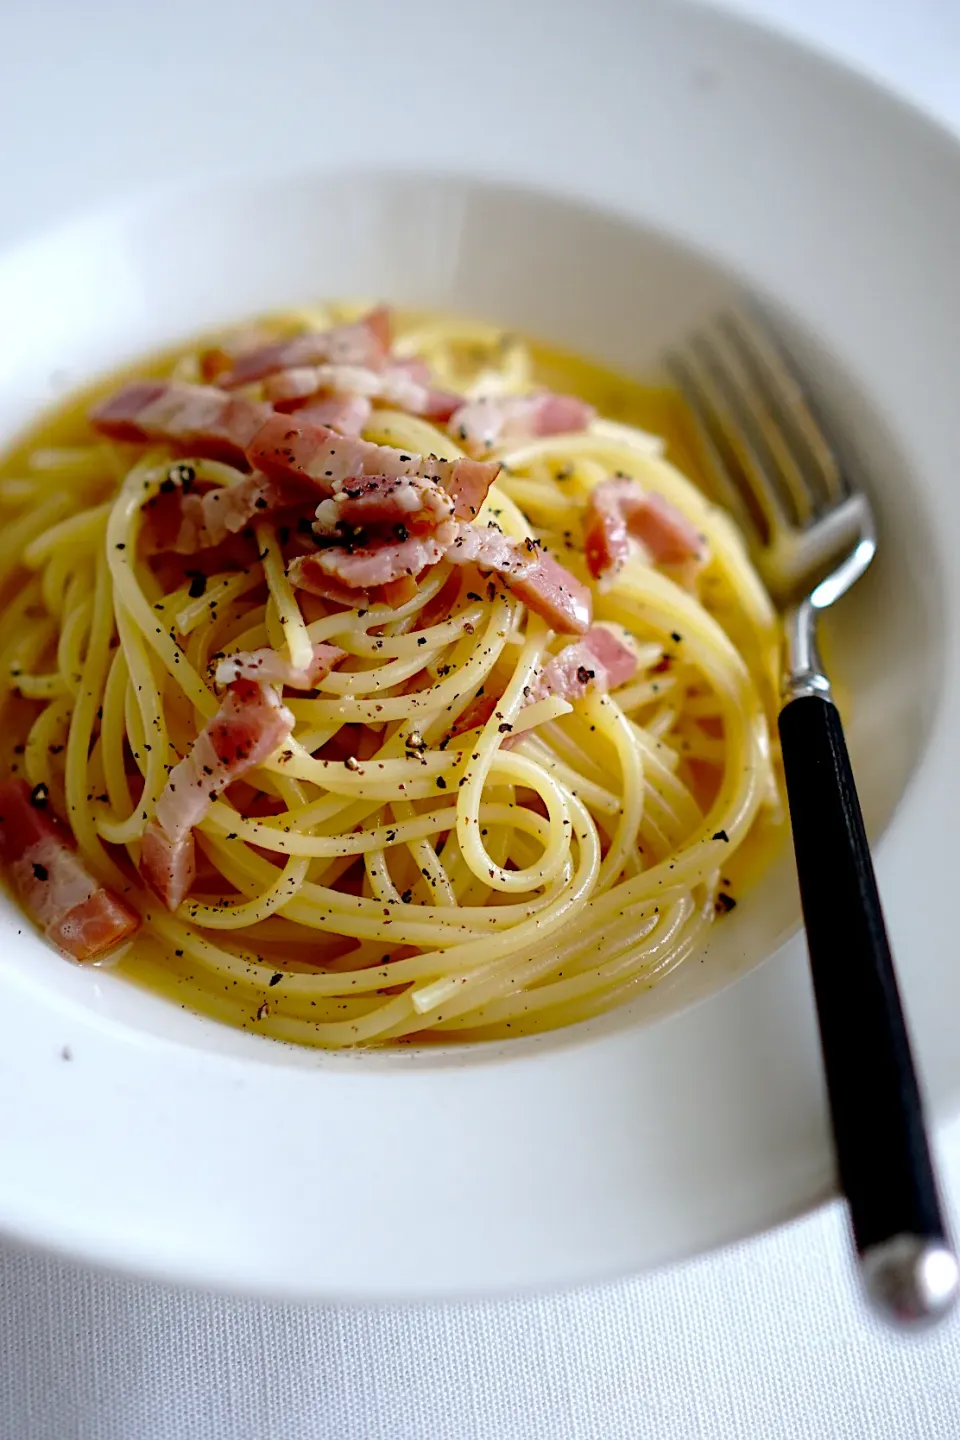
(883, 1154)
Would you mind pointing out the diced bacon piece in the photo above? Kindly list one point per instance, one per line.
(480, 424)
(78, 914)
(612, 651)
(468, 482)
(304, 575)
(378, 322)
(219, 357)
(601, 661)
(536, 578)
(197, 418)
(489, 548)
(292, 446)
(406, 503)
(287, 389)
(620, 508)
(440, 406)
(414, 366)
(168, 865)
(271, 667)
(364, 568)
(392, 385)
(347, 414)
(606, 533)
(364, 342)
(250, 725)
(94, 927)
(667, 533)
(558, 597)
(120, 416)
(188, 523)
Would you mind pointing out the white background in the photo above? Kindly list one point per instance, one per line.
(766, 1340)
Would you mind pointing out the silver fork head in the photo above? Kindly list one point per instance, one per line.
(811, 534)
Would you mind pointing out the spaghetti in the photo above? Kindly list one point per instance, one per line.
(467, 774)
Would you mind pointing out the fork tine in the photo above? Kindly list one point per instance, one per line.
(758, 418)
(728, 446)
(785, 399)
(731, 493)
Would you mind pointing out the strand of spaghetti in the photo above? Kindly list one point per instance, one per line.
(17, 535)
(612, 724)
(55, 576)
(501, 952)
(142, 483)
(579, 749)
(224, 916)
(86, 704)
(483, 760)
(586, 995)
(298, 642)
(223, 634)
(358, 642)
(519, 989)
(493, 1002)
(41, 687)
(77, 532)
(143, 717)
(46, 740)
(421, 925)
(112, 734)
(133, 721)
(378, 878)
(219, 591)
(74, 629)
(16, 640)
(602, 801)
(462, 683)
(426, 860)
(637, 939)
(333, 911)
(358, 621)
(30, 641)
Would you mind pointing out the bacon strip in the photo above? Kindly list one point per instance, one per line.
(199, 419)
(347, 414)
(536, 578)
(82, 917)
(250, 725)
(395, 385)
(558, 597)
(364, 342)
(292, 446)
(270, 667)
(481, 424)
(188, 523)
(600, 661)
(366, 567)
(619, 508)
(404, 502)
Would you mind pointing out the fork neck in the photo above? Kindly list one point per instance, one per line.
(804, 668)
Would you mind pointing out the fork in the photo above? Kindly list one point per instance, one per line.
(812, 535)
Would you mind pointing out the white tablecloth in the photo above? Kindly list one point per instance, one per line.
(765, 1341)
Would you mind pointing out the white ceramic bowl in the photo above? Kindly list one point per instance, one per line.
(648, 160)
